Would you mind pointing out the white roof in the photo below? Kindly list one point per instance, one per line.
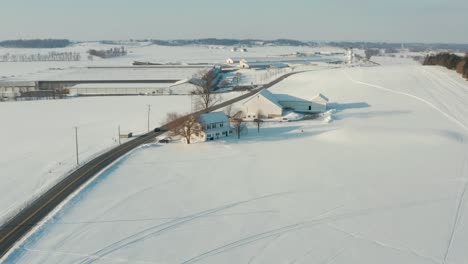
(120, 85)
(193, 81)
(180, 82)
(321, 99)
(278, 98)
(267, 95)
(213, 117)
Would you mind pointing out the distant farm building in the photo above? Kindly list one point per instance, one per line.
(119, 89)
(243, 64)
(187, 86)
(215, 125)
(269, 105)
(231, 61)
(12, 89)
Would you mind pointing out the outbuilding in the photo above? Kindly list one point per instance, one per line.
(186, 86)
(265, 104)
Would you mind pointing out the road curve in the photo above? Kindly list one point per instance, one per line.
(18, 226)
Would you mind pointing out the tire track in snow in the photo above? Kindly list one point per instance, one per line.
(64, 253)
(442, 88)
(158, 229)
(453, 119)
(245, 241)
(385, 245)
(267, 245)
(85, 226)
(458, 212)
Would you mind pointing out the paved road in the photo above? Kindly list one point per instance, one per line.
(17, 227)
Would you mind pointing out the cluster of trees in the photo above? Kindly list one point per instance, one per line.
(450, 61)
(413, 47)
(109, 53)
(51, 56)
(35, 43)
(371, 52)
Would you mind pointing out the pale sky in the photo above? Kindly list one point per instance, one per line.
(323, 20)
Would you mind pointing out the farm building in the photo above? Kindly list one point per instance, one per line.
(119, 89)
(266, 104)
(186, 86)
(232, 61)
(15, 88)
(215, 125)
(244, 64)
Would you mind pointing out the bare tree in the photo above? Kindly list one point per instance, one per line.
(258, 121)
(237, 122)
(184, 126)
(371, 52)
(229, 111)
(205, 96)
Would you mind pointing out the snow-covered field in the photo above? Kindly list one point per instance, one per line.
(383, 183)
(152, 53)
(38, 142)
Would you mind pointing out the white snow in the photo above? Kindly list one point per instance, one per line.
(383, 183)
(38, 142)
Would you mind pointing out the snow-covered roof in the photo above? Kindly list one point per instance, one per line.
(194, 81)
(267, 95)
(321, 99)
(120, 85)
(289, 98)
(180, 82)
(213, 117)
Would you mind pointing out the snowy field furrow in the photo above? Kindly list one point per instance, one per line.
(384, 182)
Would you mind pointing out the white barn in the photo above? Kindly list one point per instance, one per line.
(269, 105)
(215, 125)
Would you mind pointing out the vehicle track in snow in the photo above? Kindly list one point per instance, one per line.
(168, 226)
(438, 82)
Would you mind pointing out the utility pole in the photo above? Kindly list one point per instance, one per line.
(119, 134)
(76, 146)
(149, 110)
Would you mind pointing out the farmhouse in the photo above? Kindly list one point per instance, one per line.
(267, 105)
(215, 125)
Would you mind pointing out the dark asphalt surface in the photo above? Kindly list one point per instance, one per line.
(18, 226)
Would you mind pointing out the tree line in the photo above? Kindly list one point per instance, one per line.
(51, 56)
(35, 43)
(450, 61)
(109, 53)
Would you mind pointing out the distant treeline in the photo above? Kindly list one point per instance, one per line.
(109, 53)
(450, 61)
(51, 56)
(35, 43)
(414, 47)
(390, 47)
(232, 42)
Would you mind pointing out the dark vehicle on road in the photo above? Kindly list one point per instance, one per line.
(165, 140)
(157, 129)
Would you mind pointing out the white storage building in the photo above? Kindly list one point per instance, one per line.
(269, 105)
